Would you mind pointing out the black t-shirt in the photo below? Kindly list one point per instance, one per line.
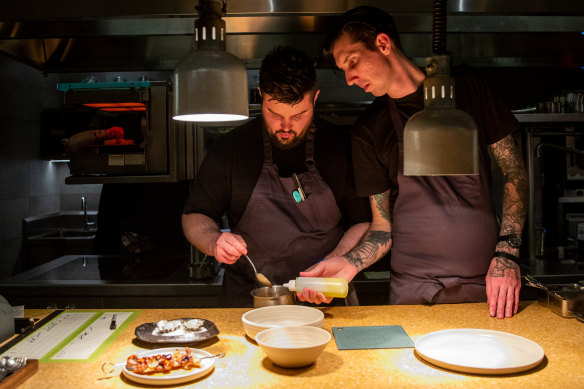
(232, 166)
(375, 143)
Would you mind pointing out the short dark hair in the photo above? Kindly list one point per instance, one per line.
(362, 24)
(287, 74)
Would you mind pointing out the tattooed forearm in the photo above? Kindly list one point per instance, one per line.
(504, 264)
(515, 190)
(374, 245)
(377, 241)
(381, 203)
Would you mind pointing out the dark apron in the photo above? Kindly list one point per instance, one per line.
(444, 235)
(283, 237)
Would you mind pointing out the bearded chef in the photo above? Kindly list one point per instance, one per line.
(284, 182)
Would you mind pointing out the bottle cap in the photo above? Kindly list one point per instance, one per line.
(290, 285)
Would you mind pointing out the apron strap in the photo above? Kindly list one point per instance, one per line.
(309, 151)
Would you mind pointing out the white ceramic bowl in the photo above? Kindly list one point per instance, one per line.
(263, 318)
(297, 346)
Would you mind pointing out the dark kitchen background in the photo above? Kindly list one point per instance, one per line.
(531, 52)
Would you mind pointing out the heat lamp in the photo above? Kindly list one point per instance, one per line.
(440, 140)
(210, 85)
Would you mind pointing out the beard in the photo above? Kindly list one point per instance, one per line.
(290, 144)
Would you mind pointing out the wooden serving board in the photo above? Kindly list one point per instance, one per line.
(21, 375)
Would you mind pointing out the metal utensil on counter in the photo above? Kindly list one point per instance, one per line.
(536, 284)
(260, 277)
(218, 355)
(10, 365)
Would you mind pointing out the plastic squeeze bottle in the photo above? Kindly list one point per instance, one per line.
(330, 287)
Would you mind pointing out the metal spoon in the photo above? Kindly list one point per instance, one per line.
(261, 278)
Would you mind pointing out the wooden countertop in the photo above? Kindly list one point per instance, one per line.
(246, 366)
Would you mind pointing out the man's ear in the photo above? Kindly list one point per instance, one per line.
(383, 43)
(316, 95)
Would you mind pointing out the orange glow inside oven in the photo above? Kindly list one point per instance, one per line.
(117, 107)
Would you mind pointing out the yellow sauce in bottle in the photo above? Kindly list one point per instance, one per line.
(330, 287)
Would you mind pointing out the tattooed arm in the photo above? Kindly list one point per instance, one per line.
(377, 240)
(350, 239)
(375, 244)
(504, 276)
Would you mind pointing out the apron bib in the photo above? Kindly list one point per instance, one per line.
(283, 237)
(444, 234)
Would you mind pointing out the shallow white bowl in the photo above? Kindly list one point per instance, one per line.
(297, 346)
(263, 318)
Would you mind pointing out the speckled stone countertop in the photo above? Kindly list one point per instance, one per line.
(246, 366)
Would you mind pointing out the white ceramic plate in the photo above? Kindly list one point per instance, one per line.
(479, 351)
(173, 377)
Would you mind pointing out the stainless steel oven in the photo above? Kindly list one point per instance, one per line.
(153, 147)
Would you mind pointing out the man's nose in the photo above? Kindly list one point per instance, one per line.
(286, 124)
(350, 78)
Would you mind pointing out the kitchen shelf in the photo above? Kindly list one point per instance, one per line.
(555, 182)
(570, 199)
(575, 117)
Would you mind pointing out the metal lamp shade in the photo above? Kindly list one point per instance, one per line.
(439, 142)
(210, 86)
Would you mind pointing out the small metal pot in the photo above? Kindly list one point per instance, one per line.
(273, 295)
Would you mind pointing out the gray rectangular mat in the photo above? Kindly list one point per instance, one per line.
(371, 337)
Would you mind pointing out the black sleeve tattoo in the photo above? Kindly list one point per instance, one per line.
(373, 246)
(503, 264)
(515, 191)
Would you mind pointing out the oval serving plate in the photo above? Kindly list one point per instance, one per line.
(479, 351)
(147, 333)
(174, 377)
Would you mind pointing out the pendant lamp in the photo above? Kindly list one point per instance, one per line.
(440, 140)
(210, 85)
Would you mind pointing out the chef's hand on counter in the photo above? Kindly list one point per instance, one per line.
(334, 267)
(229, 248)
(503, 285)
